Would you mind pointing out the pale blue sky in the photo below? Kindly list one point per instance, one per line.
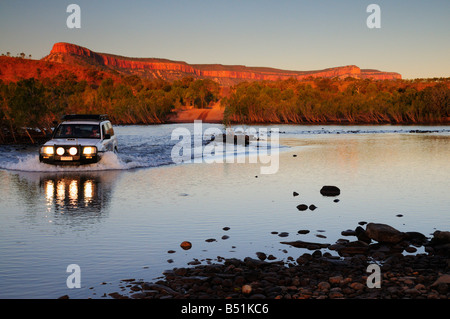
(295, 35)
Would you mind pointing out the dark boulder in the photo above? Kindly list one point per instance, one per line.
(384, 233)
(362, 235)
(330, 191)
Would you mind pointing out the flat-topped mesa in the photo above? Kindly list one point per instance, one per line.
(236, 73)
(116, 61)
(378, 75)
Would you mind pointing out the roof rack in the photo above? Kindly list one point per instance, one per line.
(85, 117)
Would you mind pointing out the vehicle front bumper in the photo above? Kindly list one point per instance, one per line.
(75, 160)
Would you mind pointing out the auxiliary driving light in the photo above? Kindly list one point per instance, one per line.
(89, 150)
(73, 151)
(60, 151)
(48, 150)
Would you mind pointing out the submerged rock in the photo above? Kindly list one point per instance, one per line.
(305, 244)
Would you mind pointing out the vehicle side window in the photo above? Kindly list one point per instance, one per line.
(103, 130)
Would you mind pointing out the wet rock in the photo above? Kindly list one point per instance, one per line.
(295, 194)
(312, 207)
(362, 235)
(316, 275)
(336, 247)
(357, 286)
(246, 289)
(302, 207)
(158, 287)
(305, 244)
(443, 279)
(210, 240)
(116, 295)
(335, 294)
(186, 245)
(236, 139)
(416, 238)
(330, 191)
(384, 233)
(324, 286)
(254, 263)
(410, 249)
(348, 232)
(283, 234)
(354, 248)
(261, 256)
(303, 231)
(440, 238)
(336, 280)
(138, 295)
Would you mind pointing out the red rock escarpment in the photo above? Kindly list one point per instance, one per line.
(216, 71)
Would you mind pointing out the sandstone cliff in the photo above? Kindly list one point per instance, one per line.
(172, 70)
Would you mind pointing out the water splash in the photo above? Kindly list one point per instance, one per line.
(109, 161)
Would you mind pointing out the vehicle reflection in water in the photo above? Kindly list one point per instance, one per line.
(71, 195)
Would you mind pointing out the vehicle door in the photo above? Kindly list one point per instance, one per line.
(107, 141)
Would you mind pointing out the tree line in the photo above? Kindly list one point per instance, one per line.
(30, 107)
(33, 105)
(353, 101)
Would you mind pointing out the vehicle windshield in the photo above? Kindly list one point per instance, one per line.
(78, 131)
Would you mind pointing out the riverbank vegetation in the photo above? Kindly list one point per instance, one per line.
(348, 101)
(33, 105)
(29, 107)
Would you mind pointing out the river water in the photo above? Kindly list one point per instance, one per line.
(126, 216)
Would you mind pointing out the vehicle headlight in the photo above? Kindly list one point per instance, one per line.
(73, 151)
(60, 151)
(89, 150)
(47, 150)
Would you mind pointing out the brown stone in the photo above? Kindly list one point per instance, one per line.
(384, 233)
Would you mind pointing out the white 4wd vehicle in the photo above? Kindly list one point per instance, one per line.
(79, 139)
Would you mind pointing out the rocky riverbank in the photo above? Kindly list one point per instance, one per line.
(318, 275)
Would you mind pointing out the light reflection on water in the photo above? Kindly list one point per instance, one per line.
(121, 224)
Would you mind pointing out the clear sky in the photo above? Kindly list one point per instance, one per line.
(414, 38)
